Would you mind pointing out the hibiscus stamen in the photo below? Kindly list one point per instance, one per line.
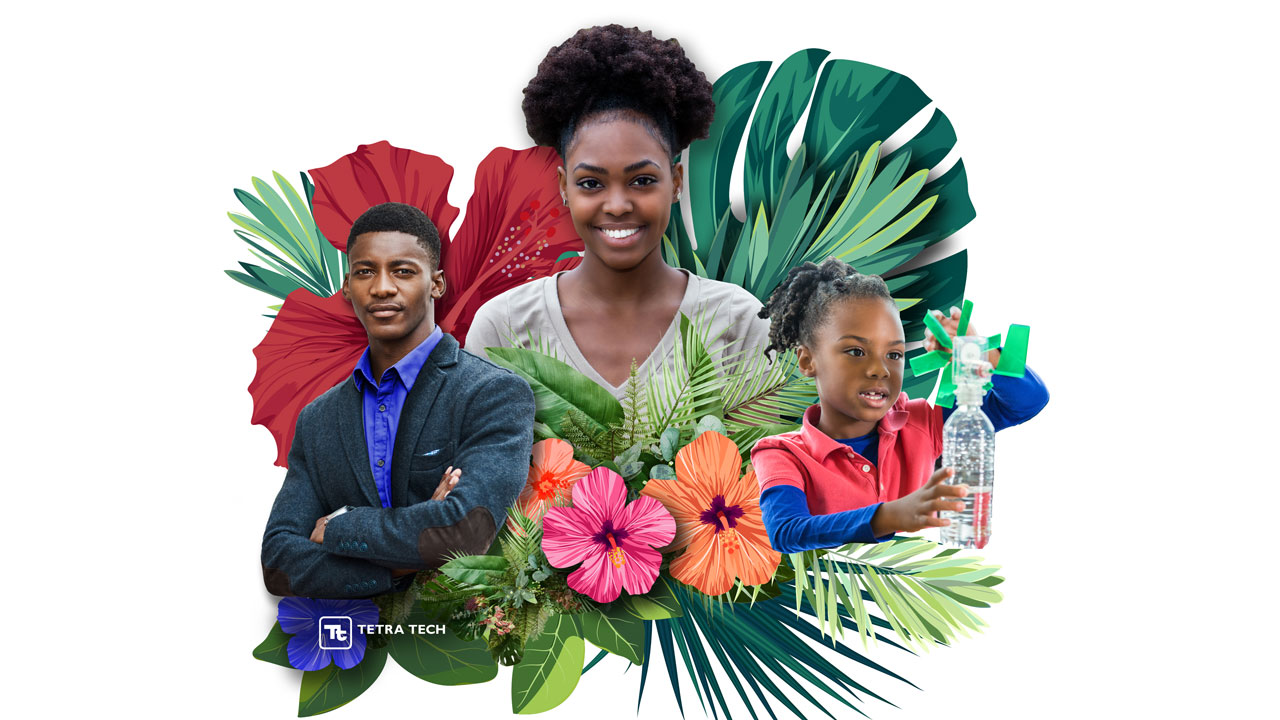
(615, 553)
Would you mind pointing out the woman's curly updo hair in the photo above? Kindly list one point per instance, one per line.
(799, 305)
(612, 69)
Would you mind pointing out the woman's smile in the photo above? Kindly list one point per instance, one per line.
(619, 184)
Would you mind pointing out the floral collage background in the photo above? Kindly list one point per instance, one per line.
(1118, 160)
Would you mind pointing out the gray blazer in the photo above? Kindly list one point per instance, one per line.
(462, 411)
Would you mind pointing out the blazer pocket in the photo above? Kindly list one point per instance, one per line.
(426, 457)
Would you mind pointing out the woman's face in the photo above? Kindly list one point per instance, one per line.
(619, 184)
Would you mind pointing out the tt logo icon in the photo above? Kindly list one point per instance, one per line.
(335, 632)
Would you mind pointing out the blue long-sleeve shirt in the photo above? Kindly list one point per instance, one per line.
(792, 528)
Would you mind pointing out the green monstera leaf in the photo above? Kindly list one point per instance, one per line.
(837, 193)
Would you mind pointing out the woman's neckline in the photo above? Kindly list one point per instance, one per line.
(551, 295)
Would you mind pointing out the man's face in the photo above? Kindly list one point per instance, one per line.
(392, 286)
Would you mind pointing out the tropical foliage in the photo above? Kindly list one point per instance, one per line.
(722, 607)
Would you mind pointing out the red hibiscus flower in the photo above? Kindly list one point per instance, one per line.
(514, 231)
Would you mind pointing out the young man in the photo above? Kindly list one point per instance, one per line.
(417, 455)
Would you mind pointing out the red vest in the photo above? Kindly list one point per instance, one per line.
(835, 478)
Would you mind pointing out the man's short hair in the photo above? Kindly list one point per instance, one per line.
(398, 217)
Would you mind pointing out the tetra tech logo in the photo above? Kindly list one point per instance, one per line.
(335, 632)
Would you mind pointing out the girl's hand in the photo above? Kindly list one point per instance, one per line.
(951, 324)
(919, 510)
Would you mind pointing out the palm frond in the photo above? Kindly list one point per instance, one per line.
(765, 650)
(688, 386)
(925, 601)
(761, 393)
(302, 257)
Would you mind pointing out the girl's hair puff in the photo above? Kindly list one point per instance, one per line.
(615, 69)
(799, 305)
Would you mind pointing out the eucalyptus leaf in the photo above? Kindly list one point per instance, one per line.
(631, 469)
(662, 472)
(709, 423)
(669, 443)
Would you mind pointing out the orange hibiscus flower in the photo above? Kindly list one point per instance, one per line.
(717, 518)
(551, 477)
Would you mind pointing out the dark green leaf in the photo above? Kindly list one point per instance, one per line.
(475, 569)
(616, 630)
(657, 604)
(558, 387)
(443, 659)
(332, 687)
(275, 648)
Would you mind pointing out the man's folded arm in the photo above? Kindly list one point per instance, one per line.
(493, 453)
(294, 565)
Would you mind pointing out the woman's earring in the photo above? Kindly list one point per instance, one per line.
(564, 199)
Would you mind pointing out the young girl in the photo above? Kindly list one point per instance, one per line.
(618, 105)
(861, 467)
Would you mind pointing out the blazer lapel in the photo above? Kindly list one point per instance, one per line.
(417, 408)
(351, 427)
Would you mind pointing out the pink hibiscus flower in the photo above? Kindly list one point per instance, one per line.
(515, 231)
(614, 541)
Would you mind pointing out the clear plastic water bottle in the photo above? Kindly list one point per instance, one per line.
(969, 446)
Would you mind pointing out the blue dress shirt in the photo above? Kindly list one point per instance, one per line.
(383, 402)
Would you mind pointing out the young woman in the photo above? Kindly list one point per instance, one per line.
(618, 105)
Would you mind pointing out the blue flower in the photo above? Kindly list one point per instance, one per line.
(300, 617)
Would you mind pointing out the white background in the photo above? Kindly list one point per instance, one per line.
(1121, 162)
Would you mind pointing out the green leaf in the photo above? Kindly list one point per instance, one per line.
(780, 107)
(662, 472)
(558, 387)
(631, 455)
(475, 569)
(709, 423)
(616, 630)
(710, 162)
(332, 687)
(443, 659)
(657, 604)
(669, 443)
(275, 648)
(550, 669)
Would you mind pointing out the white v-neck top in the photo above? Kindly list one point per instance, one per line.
(530, 317)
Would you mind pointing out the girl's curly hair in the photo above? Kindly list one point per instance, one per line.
(612, 69)
(799, 305)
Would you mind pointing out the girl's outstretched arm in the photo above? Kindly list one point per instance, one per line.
(1012, 400)
(792, 528)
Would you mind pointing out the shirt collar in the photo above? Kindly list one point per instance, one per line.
(820, 445)
(406, 370)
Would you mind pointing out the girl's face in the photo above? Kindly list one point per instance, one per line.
(620, 185)
(857, 359)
